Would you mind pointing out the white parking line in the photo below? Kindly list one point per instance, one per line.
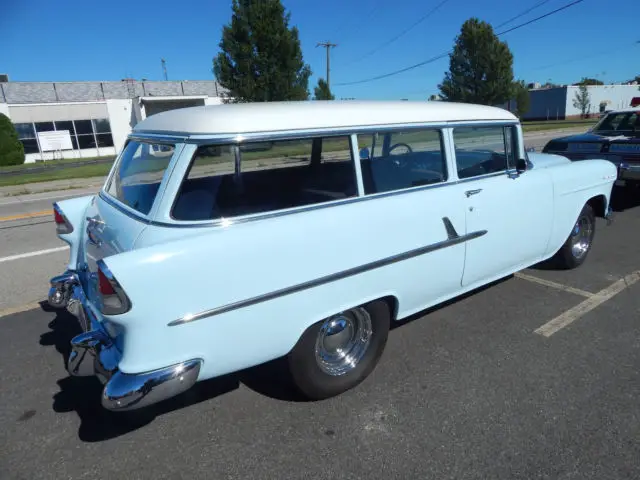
(587, 305)
(33, 254)
(549, 283)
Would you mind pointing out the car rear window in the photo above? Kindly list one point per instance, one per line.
(138, 174)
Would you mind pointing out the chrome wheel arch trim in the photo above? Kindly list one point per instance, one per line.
(453, 238)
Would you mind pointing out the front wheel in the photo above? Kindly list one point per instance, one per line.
(336, 354)
(575, 249)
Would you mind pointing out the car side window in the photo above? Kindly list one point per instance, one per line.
(397, 160)
(272, 176)
(483, 150)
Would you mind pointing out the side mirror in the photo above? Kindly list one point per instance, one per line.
(521, 165)
(364, 153)
(531, 149)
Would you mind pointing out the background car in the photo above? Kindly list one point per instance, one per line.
(616, 137)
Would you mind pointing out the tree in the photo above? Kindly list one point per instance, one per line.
(582, 101)
(522, 98)
(11, 149)
(480, 67)
(589, 81)
(260, 58)
(322, 91)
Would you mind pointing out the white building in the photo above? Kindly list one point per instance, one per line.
(557, 103)
(91, 119)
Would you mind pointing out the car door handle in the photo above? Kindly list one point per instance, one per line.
(468, 193)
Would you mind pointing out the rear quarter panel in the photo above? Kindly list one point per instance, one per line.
(174, 272)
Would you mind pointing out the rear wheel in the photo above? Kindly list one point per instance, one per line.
(577, 246)
(336, 354)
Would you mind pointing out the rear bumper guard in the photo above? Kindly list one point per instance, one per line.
(94, 353)
(61, 289)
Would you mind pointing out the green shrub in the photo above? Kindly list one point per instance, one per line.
(11, 150)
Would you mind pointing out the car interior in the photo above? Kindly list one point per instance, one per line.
(262, 190)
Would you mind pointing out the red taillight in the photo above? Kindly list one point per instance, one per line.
(62, 224)
(57, 217)
(104, 284)
(114, 300)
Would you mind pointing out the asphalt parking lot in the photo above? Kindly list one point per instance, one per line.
(536, 376)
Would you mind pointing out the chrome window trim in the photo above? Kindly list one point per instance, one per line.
(215, 139)
(158, 138)
(227, 222)
(240, 137)
(453, 238)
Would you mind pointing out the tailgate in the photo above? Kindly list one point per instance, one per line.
(107, 231)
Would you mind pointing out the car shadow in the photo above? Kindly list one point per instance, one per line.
(625, 198)
(435, 308)
(82, 394)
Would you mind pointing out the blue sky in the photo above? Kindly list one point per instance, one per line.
(115, 39)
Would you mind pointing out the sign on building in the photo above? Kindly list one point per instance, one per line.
(54, 141)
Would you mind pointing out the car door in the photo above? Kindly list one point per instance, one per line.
(514, 209)
(419, 216)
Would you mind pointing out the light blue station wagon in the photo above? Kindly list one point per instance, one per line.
(227, 236)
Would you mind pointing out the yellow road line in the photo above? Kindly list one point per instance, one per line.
(22, 216)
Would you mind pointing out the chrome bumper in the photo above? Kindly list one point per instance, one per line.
(94, 353)
(629, 172)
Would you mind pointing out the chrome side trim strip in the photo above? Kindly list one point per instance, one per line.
(452, 239)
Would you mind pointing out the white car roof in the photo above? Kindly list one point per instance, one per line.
(302, 115)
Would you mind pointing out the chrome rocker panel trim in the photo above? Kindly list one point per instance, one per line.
(94, 353)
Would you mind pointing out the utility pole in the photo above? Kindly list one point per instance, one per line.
(328, 46)
(164, 69)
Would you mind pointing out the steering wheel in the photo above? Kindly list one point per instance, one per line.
(409, 149)
(401, 160)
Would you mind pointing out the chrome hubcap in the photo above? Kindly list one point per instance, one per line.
(343, 340)
(581, 237)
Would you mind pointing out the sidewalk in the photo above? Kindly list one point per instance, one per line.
(52, 186)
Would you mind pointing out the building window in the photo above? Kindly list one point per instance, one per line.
(84, 133)
(27, 136)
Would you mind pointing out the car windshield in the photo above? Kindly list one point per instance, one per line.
(624, 123)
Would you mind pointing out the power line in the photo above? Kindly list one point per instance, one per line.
(540, 17)
(539, 4)
(438, 57)
(402, 33)
(573, 59)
